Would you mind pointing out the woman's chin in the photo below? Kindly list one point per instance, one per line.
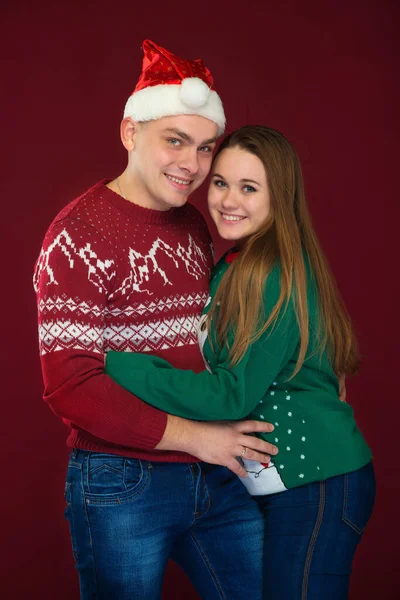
(227, 235)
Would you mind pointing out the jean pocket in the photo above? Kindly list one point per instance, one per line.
(359, 497)
(114, 479)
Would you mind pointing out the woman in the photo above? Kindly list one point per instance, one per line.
(275, 336)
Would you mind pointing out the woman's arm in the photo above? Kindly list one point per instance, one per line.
(226, 393)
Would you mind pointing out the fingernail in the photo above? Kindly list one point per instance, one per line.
(271, 428)
(267, 458)
(275, 450)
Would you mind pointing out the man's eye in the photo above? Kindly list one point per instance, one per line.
(205, 149)
(174, 141)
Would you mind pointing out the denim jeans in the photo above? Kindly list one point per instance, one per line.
(128, 517)
(311, 535)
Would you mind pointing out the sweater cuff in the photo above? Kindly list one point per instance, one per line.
(150, 429)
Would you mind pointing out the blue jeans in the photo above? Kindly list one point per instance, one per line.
(311, 535)
(128, 516)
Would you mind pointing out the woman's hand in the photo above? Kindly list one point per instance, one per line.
(342, 388)
(219, 443)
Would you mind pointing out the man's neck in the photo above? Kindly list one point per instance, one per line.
(131, 191)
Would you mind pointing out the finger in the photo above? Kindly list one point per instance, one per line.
(258, 456)
(259, 445)
(235, 466)
(254, 427)
(342, 388)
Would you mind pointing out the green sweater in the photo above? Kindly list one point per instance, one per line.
(316, 434)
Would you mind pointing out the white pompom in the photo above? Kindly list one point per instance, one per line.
(194, 92)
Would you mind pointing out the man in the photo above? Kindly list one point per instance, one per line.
(126, 267)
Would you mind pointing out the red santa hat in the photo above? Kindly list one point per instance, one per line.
(170, 85)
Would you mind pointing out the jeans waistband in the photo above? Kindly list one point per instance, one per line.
(78, 456)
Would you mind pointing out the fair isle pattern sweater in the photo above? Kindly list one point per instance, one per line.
(115, 276)
(316, 434)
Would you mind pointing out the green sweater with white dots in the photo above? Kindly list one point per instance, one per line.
(316, 434)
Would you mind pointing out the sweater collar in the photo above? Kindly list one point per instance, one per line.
(232, 255)
(144, 215)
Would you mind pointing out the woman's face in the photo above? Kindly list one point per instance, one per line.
(238, 196)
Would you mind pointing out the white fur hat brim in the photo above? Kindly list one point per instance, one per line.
(192, 97)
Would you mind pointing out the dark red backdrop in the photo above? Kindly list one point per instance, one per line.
(321, 72)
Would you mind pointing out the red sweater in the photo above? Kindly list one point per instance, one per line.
(114, 276)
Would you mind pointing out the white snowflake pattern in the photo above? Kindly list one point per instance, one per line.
(281, 466)
(275, 407)
(276, 423)
(302, 456)
(303, 421)
(318, 468)
(301, 475)
(289, 431)
(272, 393)
(289, 414)
(288, 397)
(303, 439)
(260, 402)
(261, 416)
(274, 383)
(276, 440)
(288, 448)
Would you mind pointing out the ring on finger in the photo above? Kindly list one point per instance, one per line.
(243, 452)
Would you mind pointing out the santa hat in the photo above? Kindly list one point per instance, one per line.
(170, 85)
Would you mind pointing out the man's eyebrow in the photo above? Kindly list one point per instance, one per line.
(188, 138)
(181, 134)
(209, 141)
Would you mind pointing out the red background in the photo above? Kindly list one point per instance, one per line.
(321, 72)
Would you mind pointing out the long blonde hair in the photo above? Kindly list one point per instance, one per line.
(285, 236)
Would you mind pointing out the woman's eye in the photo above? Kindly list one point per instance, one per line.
(249, 189)
(219, 183)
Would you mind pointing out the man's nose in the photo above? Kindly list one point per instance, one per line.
(189, 161)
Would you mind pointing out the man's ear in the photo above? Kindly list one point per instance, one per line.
(128, 132)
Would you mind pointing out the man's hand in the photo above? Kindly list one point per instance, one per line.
(219, 442)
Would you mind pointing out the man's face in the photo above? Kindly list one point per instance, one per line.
(170, 159)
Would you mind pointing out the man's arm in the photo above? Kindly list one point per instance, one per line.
(219, 443)
(73, 277)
